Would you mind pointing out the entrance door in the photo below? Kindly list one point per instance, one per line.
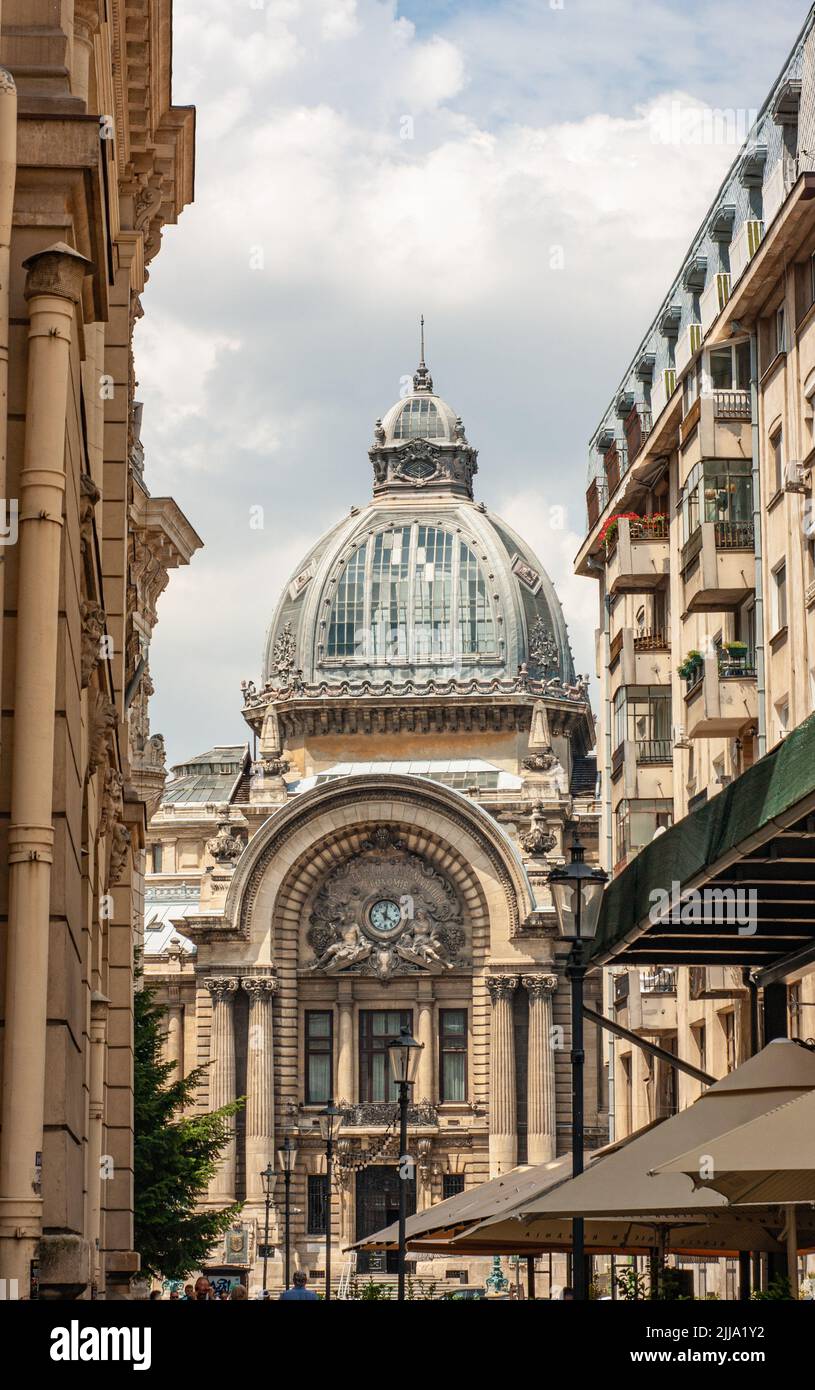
(377, 1198)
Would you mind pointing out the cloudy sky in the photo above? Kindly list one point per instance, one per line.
(498, 165)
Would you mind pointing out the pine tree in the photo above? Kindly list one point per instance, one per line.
(175, 1155)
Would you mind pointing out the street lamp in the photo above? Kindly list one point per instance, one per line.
(268, 1178)
(330, 1121)
(287, 1157)
(577, 893)
(404, 1053)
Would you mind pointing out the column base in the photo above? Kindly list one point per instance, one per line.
(503, 1154)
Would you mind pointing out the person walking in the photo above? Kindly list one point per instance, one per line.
(299, 1289)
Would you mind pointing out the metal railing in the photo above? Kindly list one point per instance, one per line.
(651, 639)
(734, 535)
(737, 667)
(649, 528)
(659, 981)
(654, 750)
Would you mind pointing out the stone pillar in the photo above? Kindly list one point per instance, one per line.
(259, 1084)
(425, 1088)
(222, 1078)
(175, 1034)
(53, 288)
(503, 1109)
(541, 1113)
(345, 1089)
(96, 1171)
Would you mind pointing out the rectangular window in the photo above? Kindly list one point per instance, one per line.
(780, 597)
(453, 1054)
(315, 1213)
(780, 329)
(794, 1009)
(378, 1028)
(158, 858)
(636, 823)
(319, 1028)
(451, 1185)
(728, 1022)
(642, 713)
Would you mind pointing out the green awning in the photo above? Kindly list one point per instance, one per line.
(757, 838)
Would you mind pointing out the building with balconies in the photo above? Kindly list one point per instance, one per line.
(701, 539)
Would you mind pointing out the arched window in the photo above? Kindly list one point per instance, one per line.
(413, 594)
(419, 419)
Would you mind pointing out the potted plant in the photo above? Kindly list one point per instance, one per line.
(737, 651)
(693, 661)
(610, 528)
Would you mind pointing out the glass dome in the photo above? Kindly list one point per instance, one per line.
(412, 593)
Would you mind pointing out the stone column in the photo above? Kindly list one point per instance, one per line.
(96, 1171)
(259, 1083)
(345, 1089)
(53, 288)
(541, 1125)
(503, 1109)
(425, 1088)
(175, 1034)
(222, 1078)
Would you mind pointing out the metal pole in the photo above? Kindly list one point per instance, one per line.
(288, 1183)
(329, 1158)
(576, 971)
(530, 1276)
(266, 1240)
(403, 1179)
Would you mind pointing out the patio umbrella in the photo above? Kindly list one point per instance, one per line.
(770, 1159)
(619, 1183)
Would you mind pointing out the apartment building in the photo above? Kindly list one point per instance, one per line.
(701, 537)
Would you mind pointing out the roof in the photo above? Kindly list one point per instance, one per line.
(756, 839)
(454, 772)
(213, 776)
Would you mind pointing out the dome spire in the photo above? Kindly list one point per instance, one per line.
(422, 380)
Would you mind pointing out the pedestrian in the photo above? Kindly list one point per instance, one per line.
(203, 1290)
(568, 1294)
(189, 1293)
(174, 1295)
(238, 1293)
(299, 1291)
(156, 1293)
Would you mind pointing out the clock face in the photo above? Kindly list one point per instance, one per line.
(385, 915)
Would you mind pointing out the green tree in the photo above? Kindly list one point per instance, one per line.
(175, 1155)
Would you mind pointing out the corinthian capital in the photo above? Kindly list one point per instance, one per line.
(260, 986)
(501, 986)
(537, 986)
(222, 987)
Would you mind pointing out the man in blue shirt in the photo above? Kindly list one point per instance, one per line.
(299, 1291)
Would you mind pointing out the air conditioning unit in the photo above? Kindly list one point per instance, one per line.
(794, 476)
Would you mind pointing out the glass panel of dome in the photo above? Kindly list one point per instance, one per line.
(476, 626)
(390, 591)
(418, 419)
(346, 631)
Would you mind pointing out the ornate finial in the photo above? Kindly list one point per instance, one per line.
(422, 380)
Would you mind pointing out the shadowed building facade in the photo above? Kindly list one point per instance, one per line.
(94, 161)
(420, 753)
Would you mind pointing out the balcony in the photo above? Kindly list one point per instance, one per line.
(383, 1114)
(718, 569)
(715, 982)
(744, 246)
(731, 405)
(616, 466)
(713, 300)
(636, 554)
(645, 1000)
(637, 428)
(720, 697)
(639, 658)
(596, 501)
(662, 391)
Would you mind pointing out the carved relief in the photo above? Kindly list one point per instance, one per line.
(93, 629)
(538, 838)
(537, 986)
(119, 852)
(385, 912)
(102, 723)
(227, 845)
(543, 652)
(89, 495)
(501, 986)
(111, 801)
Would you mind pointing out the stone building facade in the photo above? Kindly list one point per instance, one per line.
(94, 161)
(420, 755)
(701, 537)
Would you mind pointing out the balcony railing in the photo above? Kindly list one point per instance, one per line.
(637, 429)
(649, 528)
(615, 648)
(372, 1114)
(731, 405)
(737, 668)
(691, 548)
(654, 750)
(651, 639)
(734, 535)
(616, 466)
(596, 500)
(659, 981)
(694, 678)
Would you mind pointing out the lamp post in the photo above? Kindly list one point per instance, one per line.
(330, 1121)
(268, 1177)
(287, 1157)
(577, 893)
(404, 1053)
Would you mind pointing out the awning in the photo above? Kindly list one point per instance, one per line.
(771, 1159)
(756, 839)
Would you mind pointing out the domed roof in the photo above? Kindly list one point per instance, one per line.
(423, 584)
